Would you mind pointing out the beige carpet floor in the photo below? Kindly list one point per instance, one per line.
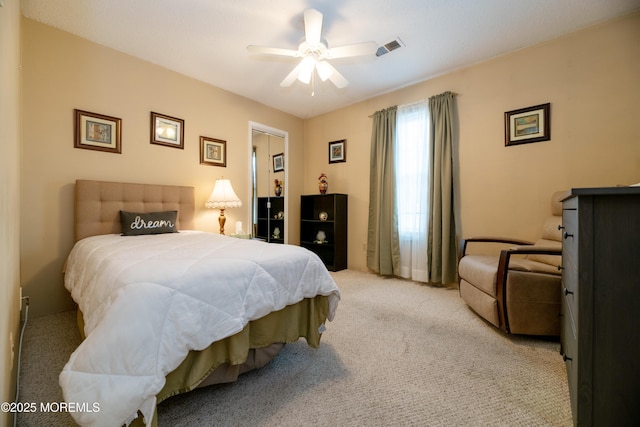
(397, 354)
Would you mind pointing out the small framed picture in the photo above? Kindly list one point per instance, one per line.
(213, 152)
(338, 151)
(527, 125)
(278, 162)
(167, 130)
(97, 132)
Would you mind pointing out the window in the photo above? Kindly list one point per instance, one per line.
(412, 188)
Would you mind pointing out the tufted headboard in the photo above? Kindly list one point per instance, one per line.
(98, 204)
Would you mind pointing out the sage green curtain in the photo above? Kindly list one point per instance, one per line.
(441, 244)
(383, 247)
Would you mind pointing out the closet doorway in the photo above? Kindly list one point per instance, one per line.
(268, 163)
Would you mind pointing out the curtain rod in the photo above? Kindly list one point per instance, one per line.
(452, 93)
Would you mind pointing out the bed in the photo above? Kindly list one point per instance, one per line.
(166, 310)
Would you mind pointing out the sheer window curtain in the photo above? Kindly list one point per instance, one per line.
(412, 189)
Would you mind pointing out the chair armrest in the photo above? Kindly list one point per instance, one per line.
(491, 239)
(533, 249)
(505, 256)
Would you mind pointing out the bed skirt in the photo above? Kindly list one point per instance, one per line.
(253, 347)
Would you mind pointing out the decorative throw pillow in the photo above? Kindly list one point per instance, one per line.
(135, 224)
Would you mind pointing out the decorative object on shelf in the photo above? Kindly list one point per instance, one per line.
(97, 132)
(213, 152)
(526, 125)
(323, 216)
(321, 237)
(167, 130)
(323, 183)
(223, 197)
(338, 151)
(279, 215)
(276, 233)
(277, 189)
(278, 162)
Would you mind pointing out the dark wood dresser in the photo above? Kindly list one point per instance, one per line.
(600, 336)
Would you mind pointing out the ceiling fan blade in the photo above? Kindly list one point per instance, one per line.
(312, 26)
(358, 49)
(337, 78)
(272, 51)
(292, 76)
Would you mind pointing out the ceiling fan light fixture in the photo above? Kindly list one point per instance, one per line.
(307, 66)
(315, 53)
(324, 70)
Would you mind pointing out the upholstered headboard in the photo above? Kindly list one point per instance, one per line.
(98, 204)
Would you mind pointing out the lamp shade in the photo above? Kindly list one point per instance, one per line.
(223, 196)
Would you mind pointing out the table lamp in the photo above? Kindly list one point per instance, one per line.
(223, 197)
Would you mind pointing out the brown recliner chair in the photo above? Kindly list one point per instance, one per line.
(518, 290)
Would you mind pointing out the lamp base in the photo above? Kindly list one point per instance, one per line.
(221, 221)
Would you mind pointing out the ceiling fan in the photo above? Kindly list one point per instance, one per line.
(315, 54)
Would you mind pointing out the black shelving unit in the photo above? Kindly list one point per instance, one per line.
(332, 250)
(270, 217)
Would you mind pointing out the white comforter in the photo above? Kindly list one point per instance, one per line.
(148, 300)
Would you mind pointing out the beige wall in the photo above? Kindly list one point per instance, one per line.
(9, 199)
(591, 78)
(62, 72)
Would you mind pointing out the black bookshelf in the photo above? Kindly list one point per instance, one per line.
(270, 217)
(325, 213)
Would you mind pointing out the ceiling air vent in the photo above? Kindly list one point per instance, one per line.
(388, 47)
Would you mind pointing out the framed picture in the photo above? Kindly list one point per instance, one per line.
(338, 151)
(167, 130)
(97, 132)
(527, 125)
(278, 162)
(213, 152)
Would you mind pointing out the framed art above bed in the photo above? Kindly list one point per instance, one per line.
(94, 131)
(213, 152)
(167, 130)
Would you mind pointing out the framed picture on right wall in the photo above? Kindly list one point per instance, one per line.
(531, 124)
(338, 151)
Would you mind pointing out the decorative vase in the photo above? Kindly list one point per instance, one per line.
(323, 183)
(278, 190)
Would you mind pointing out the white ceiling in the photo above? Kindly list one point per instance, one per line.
(207, 39)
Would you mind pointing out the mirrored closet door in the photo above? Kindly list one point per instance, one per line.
(268, 184)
